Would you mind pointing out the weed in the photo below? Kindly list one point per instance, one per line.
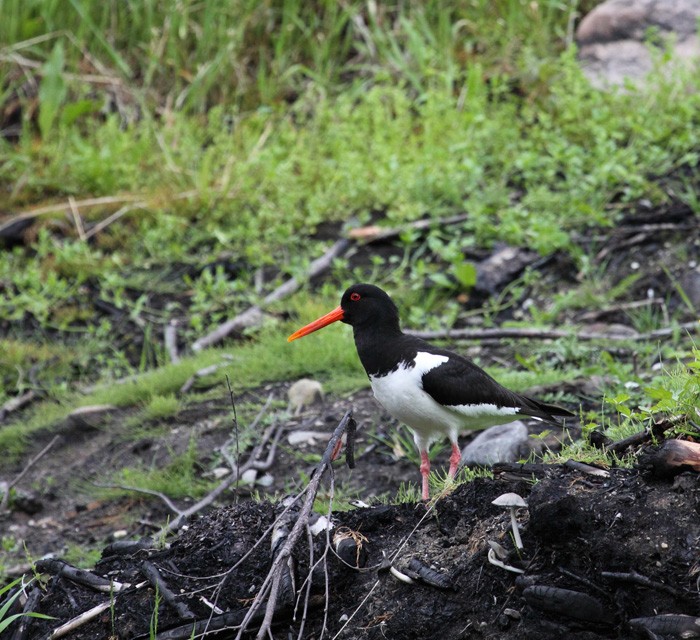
(80, 556)
(5, 619)
(159, 407)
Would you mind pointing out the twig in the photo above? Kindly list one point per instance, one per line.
(253, 315)
(170, 340)
(251, 463)
(202, 373)
(135, 201)
(638, 578)
(151, 572)
(273, 580)
(119, 213)
(6, 497)
(377, 233)
(590, 316)
(80, 620)
(13, 404)
(549, 334)
(25, 620)
(57, 567)
(149, 492)
(77, 220)
(656, 430)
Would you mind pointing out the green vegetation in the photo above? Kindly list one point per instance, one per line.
(7, 620)
(183, 159)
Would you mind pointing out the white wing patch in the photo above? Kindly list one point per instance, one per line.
(401, 393)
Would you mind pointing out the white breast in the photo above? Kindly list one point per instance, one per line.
(401, 394)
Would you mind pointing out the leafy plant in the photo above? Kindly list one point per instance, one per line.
(5, 619)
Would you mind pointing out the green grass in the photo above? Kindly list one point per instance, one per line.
(179, 478)
(191, 55)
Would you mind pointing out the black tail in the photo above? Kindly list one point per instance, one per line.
(544, 411)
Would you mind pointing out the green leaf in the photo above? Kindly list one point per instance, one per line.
(52, 90)
(73, 110)
(465, 272)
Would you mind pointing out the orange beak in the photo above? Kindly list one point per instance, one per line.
(333, 316)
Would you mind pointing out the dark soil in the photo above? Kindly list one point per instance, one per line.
(577, 527)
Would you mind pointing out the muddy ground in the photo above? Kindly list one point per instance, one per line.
(600, 552)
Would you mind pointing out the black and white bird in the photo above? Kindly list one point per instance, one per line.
(435, 392)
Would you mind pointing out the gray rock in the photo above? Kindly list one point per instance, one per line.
(690, 284)
(612, 38)
(502, 443)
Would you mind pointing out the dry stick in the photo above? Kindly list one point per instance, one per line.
(622, 306)
(202, 373)
(377, 233)
(77, 220)
(13, 404)
(76, 622)
(252, 463)
(228, 620)
(253, 314)
(149, 492)
(548, 334)
(23, 623)
(638, 578)
(6, 497)
(307, 582)
(274, 576)
(119, 213)
(151, 572)
(134, 201)
(60, 568)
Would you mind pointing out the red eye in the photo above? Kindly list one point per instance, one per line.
(355, 297)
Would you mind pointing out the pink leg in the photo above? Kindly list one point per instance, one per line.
(425, 472)
(455, 459)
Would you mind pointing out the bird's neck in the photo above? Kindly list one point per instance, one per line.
(375, 344)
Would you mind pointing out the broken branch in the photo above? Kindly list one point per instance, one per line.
(253, 315)
(548, 334)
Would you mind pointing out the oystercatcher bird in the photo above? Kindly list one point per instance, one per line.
(435, 392)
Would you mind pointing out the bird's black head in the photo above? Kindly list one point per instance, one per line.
(363, 306)
(367, 305)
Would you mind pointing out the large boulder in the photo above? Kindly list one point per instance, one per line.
(617, 38)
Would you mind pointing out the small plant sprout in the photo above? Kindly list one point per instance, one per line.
(512, 501)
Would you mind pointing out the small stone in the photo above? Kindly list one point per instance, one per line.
(120, 533)
(249, 476)
(304, 393)
(307, 437)
(266, 481)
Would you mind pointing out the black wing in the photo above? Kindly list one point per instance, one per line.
(460, 382)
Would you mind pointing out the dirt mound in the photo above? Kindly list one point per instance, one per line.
(599, 553)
